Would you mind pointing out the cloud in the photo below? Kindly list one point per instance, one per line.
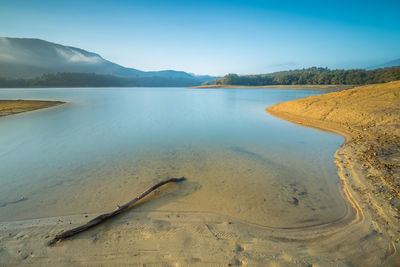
(4, 41)
(74, 56)
(7, 57)
(285, 65)
(5, 50)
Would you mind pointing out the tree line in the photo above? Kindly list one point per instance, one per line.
(94, 80)
(310, 76)
(313, 75)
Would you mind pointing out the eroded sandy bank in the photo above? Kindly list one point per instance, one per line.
(369, 160)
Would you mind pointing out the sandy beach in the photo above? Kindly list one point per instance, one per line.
(10, 107)
(367, 234)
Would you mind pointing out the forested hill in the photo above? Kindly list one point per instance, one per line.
(95, 80)
(26, 58)
(313, 75)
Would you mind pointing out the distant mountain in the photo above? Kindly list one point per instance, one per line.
(204, 78)
(393, 63)
(29, 58)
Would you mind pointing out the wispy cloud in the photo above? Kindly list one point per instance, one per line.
(74, 56)
(285, 65)
(6, 57)
(5, 53)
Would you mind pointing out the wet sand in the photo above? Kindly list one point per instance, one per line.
(235, 184)
(180, 234)
(10, 107)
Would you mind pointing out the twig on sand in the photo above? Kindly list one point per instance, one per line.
(103, 217)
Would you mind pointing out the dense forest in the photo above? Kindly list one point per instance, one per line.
(94, 80)
(313, 75)
(309, 76)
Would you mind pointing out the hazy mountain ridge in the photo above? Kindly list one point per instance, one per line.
(29, 58)
(392, 63)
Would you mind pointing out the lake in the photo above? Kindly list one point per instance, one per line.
(107, 145)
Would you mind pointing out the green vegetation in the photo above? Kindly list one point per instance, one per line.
(310, 76)
(94, 80)
(313, 75)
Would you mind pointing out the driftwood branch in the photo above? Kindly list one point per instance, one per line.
(13, 202)
(103, 217)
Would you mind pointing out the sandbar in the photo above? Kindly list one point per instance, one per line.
(10, 107)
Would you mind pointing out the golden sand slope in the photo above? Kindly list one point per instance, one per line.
(373, 110)
(9, 107)
(369, 118)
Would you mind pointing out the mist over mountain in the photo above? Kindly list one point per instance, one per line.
(29, 58)
(392, 63)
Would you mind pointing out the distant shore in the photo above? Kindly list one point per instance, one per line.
(368, 162)
(329, 87)
(10, 107)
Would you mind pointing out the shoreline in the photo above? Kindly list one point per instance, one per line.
(329, 87)
(160, 237)
(11, 107)
(369, 181)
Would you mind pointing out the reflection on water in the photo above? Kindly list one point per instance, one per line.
(106, 145)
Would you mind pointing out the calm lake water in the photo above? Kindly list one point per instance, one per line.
(107, 145)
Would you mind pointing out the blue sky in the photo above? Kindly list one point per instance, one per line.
(215, 37)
